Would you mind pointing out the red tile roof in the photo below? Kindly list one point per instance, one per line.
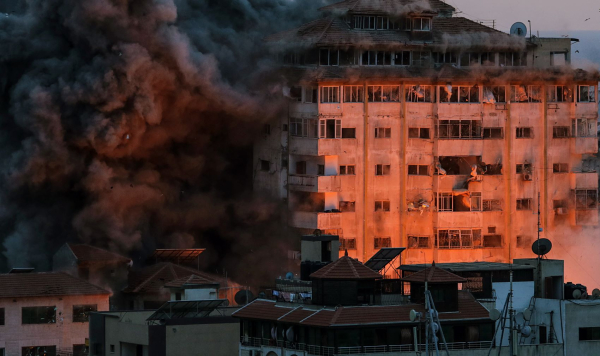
(87, 253)
(396, 7)
(189, 281)
(152, 278)
(468, 309)
(45, 284)
(346, 268)
(434, 274)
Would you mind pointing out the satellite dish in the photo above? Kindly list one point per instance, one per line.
(541, 247)
(526, 330)
(576, 294)
(527, 314)
(243, 297)
(414, 315)
(289, 334)
(596, 293)
(519, 318)
(273, 333)
(289, 275)
(494, 314)
(518, 29)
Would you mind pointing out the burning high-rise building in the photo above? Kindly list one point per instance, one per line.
(410, 127)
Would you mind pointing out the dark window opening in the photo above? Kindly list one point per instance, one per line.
(38, 351)
(81, 313)
(382, 169)
(265, 165)
(347, 170)
(463, 165)
(560, 132)
(560, 168)
(383, 132)
(524, 204)
(524, 168)
(493, 132)
(589, 333)
(418, 169)
(492, 205)
(523, 241)
(81, 350)
(380, 242)
(347, 206)
(459, 129)
(418, 241)
(349, 132)
(418, 132)
(38, 315)
(347, 244)
(524, 132)
(301, 167)
(492, 241)
(382, 205)
(320, 169)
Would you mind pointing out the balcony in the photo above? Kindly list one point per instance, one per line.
(316, 220)
(315, 147)
(581, 145)
(316, 184)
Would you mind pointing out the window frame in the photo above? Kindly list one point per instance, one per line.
(84, 315)
(382, 242)
(383, 170)
(324, 129)
(559, 168)
(585, 194)
(556, 94)
(346, 170)
(463, 238)
(557, 132)
(589, 98)
(498, 92)
(589, 127)
(49, 310)
(418, 241)
(420, 21)
(354, 94)
(521, 206)
(490, 131)
(419, 169)
(383, 132)
(520, 132)
(447, 129)
(413, 92)
(382, 206)
(458, 94)
(420, 131)
(371, 93)
(528, 92)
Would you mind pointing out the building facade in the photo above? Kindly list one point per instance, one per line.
(408, 127)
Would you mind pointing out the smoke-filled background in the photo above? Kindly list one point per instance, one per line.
(128, 124)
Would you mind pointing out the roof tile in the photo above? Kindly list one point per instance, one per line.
(434, 274)
(45, 284)
(346, 268)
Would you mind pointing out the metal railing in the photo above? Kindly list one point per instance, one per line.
(309, 181)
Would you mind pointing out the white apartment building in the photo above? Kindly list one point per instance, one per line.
(408, 127)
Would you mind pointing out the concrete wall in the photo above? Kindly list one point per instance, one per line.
(63, 334)
(124, 330)
(580, 314)
(218, 339)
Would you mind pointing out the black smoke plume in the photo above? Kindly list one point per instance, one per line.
(128, 124)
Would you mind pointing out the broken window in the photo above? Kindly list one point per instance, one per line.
(265, 165)
(492, 241)
(462, 165)
(560, 132)
(459, 129)
(384, 93)
(381, 242)
(459, 94)
(418, 169)
(81, 313)
(560, 168)
(492, 205)
(383, 132)
(494, 94)
(376, 58)
(330, 94)
(586, 199)
(524, 168)
(420, 94)
(456, 239)
(418, 241)
(560, 94)
(512, 59)
(329, 57)
(526, 93)
(420, 58)
(445, 58)
(347, 206)
(469, 58)
(418, 132)
(476, 201)
(349, 132)
(382, 169)
(347, 170)
(382, 205)
(354, 94)
(296, 93)
(330, 128)
(301, 167)
(488, 59)
(586, 94)
(445, 201)
(310, 94)
(584, 128)
(402, 58)
(421, 24)
(524, 204)
(493, 132)
(347, 244)
(38, 315)
(524, 132)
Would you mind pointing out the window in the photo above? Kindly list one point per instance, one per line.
(349, 132)
(524, 204)
(347, 170)
(586, 199)
(420, 94)
(330, 128)
(476, 201)
(493, 132)
(80, 350)
(310, 94)
(382, 205)
(368, 22)
(303, 127)
(296, 93)
(584, 128)
(512, 59)
(456, 239)
(487, 59)
(459, 129)
(560, 132)
(418, 241)
(178, 296)
(524, 168)
(385, 93)
(589, 333)
(38, 315)
(330, 94)
(112, 349)
(492, 205)
(420, 58)
(586, 94)
(347, 244)
(445, 201)
(382, 169)
(301, 167)
(354, 94)
(494, 94)
(421, 24)
(526, 93)
(382, 23)
(418, 169)
(402, 58)
(560, 94)
(320, 169)
(459, 94)
(524, 132)
(265, 165)
(418, 132)
(347, 206)
(329, 57)
(560, 168)
(376, 58)
(467, 59)
(444, 58)
(492, 241)
(383, 132)
(380, 242)
(81, 313)
(38, 351)
(1, 316)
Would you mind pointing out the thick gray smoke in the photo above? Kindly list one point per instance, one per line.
(128, 124)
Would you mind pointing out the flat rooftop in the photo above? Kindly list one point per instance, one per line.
(468, 266)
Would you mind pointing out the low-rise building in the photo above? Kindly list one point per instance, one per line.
(47, 313)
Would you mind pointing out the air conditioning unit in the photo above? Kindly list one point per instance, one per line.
(528, 176)
(561, 211)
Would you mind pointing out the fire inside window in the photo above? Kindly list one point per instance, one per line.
(560, 94)
(526, 93)
(494, 94)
